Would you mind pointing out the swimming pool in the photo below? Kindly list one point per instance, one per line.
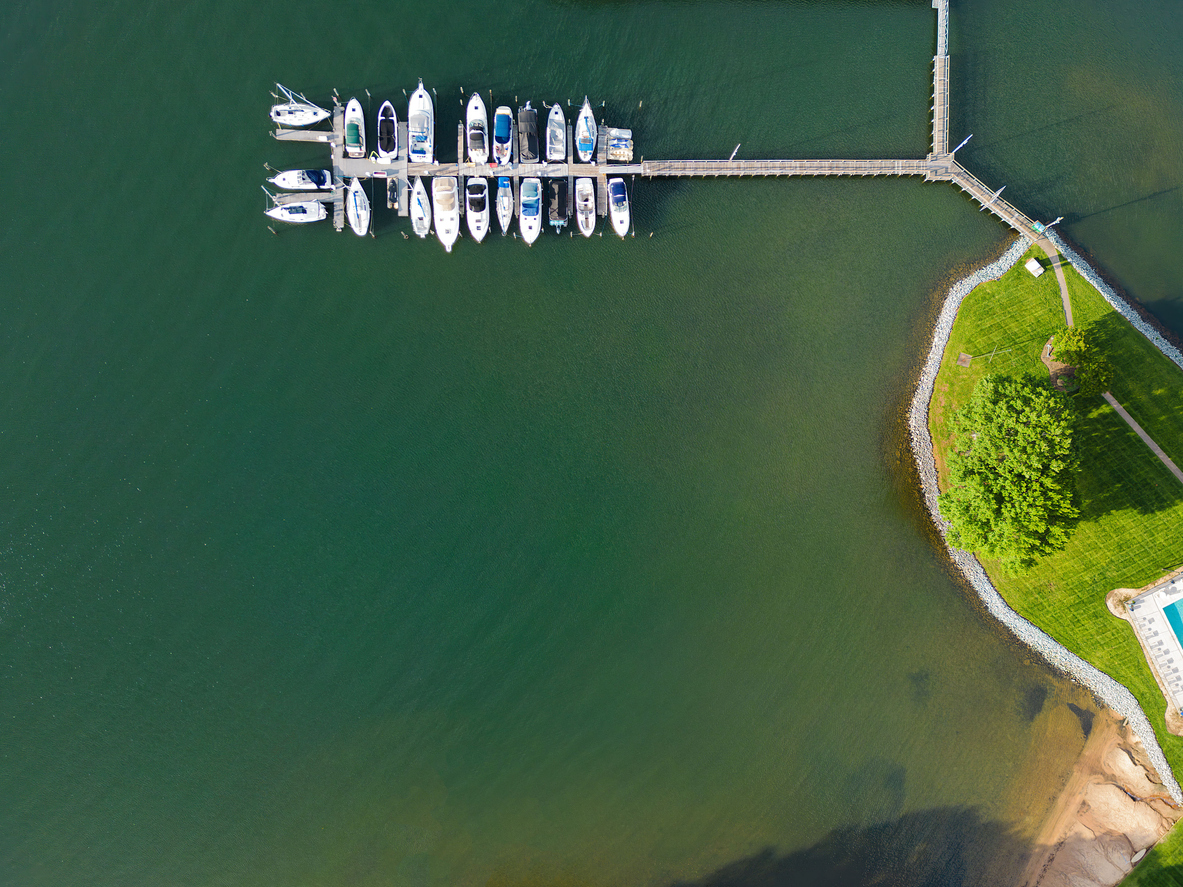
(1175, 617)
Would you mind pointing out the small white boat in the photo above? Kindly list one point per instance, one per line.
(477, 130)
(585, 206)
(420, 209)
(445, 206)
(556, 135)
(299, 213)
(530, 220)
(504, 203)
(387, 133)
(421, 127)
(476, 207)
(357, 208)
(297, 110)
(585, 132)
(303, 180)
(355, 129)
(503, 136)
(618, 206)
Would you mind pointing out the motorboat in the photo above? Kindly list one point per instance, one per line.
(585, 206)
(387, 133)
(527, 135)
(420, 209)
(504, 203)
(355, 129)
(618, 206)
(557, 208)
(421, 127)
(445, 206)
(299, 213)
(476, 207)
(585, 133)
(556, 134)
(357, 208)
(477, 130)
(530, 220)
(503, 136)
(296, 110)
(303, 180)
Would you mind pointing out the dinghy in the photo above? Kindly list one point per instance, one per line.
(421, 126)
(503, 136)
(477, 130)
(556, 135)
(420, 209)
(530, 220)
(445, 206)
(585, 206)
(556, 202)
(476, 208)
(585, 133)
(357, 208)
(527, 135)
(355, 129)
(299, 213)
(504, 204)
(618, 206)
(297, 110)
(387, 133)
(303, 180)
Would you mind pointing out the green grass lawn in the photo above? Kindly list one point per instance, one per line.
(1131, 526)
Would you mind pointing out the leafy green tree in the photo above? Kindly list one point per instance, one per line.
(1078, 347)
(1011, 472)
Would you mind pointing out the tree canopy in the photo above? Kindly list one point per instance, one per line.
(1011, 488)
(1078, 347)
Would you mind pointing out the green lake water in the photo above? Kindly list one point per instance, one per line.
(341, 561)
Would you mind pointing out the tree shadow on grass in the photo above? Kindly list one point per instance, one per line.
(941, 847)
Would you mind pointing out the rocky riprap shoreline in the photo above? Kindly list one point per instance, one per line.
(1109, 691)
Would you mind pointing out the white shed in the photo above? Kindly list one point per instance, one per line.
(1034, 267)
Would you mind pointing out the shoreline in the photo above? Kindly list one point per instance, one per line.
(1112, 694)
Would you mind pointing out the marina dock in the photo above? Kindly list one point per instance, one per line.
(938, 166)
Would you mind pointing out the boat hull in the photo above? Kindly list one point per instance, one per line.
(421, 127)
(504, 204)
(420, 209)
(387, 133)
(585, 206)
(355, 129)
(445, 207)
(295, 114)
(476, 208)
(303, 180)
(298, 213)
(618, 206)
(503, 136)
(530, 216)
(477, 130)
(585, 133)
(357, 208)
(556, 135)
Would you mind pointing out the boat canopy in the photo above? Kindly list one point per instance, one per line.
(501, 128)
(557, 199)
(318, 177)
(619, 195)
(352, 134)
(528, 135)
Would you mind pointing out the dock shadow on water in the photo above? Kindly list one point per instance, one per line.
(940, 847)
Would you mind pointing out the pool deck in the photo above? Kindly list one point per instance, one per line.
(1145, 610)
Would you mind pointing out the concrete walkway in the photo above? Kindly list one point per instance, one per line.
(1057, 260)
(1146, 439)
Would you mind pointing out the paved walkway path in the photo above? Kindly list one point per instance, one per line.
(1146, 439)
(1057, 260)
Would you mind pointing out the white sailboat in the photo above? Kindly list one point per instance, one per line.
(303, 180)
(504, 203)
(420, 209)
(556, 135)
(476, 207)
(585, 206)
(530, 220)
(387, 133)
(445, 206)
(298, 213)
(297, 110)
(357, 208)
(355, 129)
(585, 132)
(618, 207)
(477, 130)
(421, 126)
(503, 136)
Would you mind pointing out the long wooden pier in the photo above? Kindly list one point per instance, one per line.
(938, 166)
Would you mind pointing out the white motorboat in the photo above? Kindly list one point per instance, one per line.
(297, 110)
(445, 206)
(618, 206)
(585, 133)
(298, 213)
(556, 134)
(303, 180)
(387, 133)
(421, 127)
(357, 208)
(585, 206)
(477, 130)
(420, 209)
(503, 136)
(530, 220)
(355, 129)
(476, 207)
(504, 203)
